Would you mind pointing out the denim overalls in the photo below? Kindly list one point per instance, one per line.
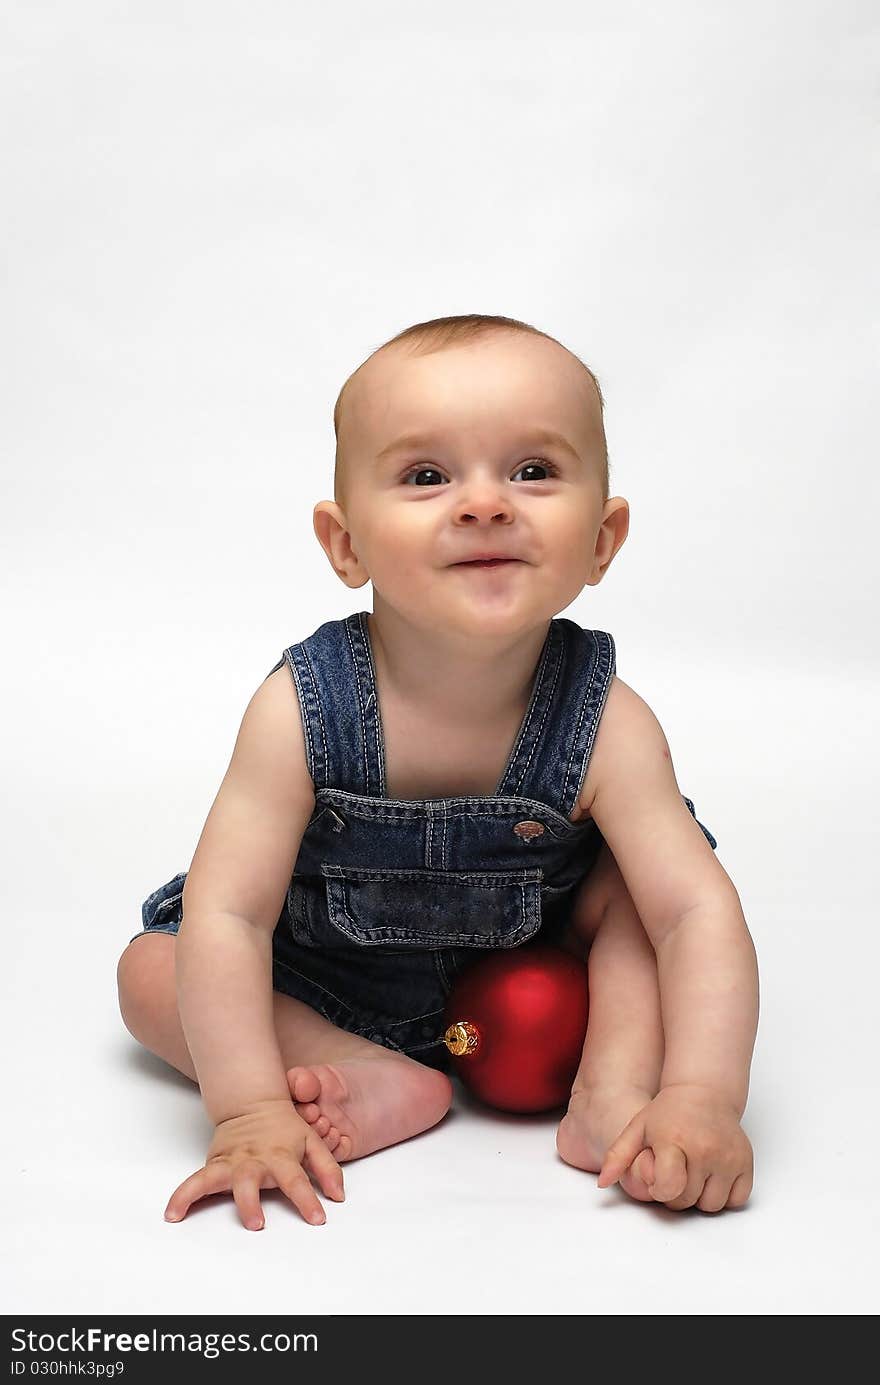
(391, 898)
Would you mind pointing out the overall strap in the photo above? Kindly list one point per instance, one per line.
(550, 757)
(334, 682)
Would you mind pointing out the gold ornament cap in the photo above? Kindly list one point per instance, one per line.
(462, 1038)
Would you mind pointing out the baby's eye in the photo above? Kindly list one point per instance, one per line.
(421, 471)
(538, 464)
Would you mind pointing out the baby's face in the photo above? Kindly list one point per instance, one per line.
(450, 456)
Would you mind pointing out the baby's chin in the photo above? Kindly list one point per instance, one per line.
(473, 615)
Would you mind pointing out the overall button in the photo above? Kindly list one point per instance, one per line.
(528, 829)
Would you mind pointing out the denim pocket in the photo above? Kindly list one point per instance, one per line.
(432, 908)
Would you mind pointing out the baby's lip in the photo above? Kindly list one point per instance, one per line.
(487, 558)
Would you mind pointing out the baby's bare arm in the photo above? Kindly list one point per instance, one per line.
(688, 905)
(224, 995)
(232, 900)
(707, 971)
(708, 974)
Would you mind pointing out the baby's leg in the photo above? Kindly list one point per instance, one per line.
(358, 1095)
(622, 1057)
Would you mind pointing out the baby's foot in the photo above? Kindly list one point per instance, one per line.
(593, 1122)
(359, 1105)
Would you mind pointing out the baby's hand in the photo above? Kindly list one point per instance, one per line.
(266, 1147)
(701, 1153)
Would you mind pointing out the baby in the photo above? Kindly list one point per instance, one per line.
(456, 771)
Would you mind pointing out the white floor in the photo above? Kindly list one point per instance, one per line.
(478, 1215)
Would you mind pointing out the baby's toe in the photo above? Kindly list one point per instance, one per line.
(304, 1084)
(309, 1111)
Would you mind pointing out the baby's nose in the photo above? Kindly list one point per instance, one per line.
(484, 504)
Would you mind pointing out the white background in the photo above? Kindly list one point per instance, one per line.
(213, 213)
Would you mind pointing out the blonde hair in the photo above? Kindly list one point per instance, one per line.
(438, 334)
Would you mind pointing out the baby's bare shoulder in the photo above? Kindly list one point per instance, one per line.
(626, 723)
(281, 716)
(255, 827)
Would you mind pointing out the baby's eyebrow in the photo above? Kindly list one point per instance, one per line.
(535, 436)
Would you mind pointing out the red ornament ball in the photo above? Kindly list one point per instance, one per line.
(516, 1022)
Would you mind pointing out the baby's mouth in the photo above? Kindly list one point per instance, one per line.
(486, 562)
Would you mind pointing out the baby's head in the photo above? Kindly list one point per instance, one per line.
(467, 436)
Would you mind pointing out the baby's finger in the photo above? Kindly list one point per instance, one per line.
(295, 1185)
(693, 1190)
(322, 1166)
(739, 1193)
(213, 1178)
(620, 1154)
(246, 1183)
(715, 1194)
(670, 1173)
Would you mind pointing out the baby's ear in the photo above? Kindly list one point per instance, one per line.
(611, 537)
(329, 523)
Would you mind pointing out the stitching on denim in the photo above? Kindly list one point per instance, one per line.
(377, 718)
(297, 905)
(156, 893)
(304, 715)
(602, 699)
(484, 880)
(365, 773)
(415, 1019)
(365, 766)
(551, 646)
(587, 709)
(547, 699)
(548, 704)
(586, 702)
(428, 942)
(440, 966)
(319, 712)
(413, 1049)
(491, 806)
(157, 901)
(325, 990)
